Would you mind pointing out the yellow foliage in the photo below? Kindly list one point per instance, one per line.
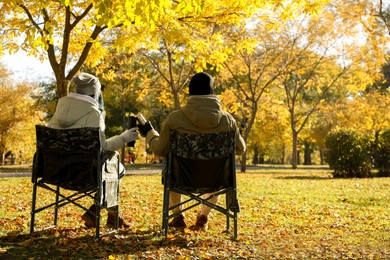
(18, 118)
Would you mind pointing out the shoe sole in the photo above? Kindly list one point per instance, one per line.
(88, 221)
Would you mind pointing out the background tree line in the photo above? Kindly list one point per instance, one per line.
(290, 73)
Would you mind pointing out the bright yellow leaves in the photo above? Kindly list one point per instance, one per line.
(368, 113)
(18, 116)
(69, 31)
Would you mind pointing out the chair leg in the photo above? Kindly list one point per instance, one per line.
(235, 226)
(34, 197)
(227, 216)
(117, 217)
(165, 211)
(98, 210)
(56, 206)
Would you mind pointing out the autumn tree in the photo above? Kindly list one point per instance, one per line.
(382, 84)
(270, 136)
(256, 62)
(364, 24)
(171, 59)
(18, 117)
(70, 33)
(67, 32)
(123, 76)
(187, 44)
(323, 48)
(353, 32)
(304, 92)
(375, 14)
(251, 72)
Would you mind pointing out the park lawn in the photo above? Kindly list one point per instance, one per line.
(285, 214)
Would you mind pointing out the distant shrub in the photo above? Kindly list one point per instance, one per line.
(348, 154)
(381, 153)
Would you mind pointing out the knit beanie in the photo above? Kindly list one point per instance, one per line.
(201, 84)
(86, 84)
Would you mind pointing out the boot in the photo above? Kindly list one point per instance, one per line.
(89, 219)
(111, 221)
(178, 222)
(201, 222)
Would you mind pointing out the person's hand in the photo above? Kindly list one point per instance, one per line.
(130, 135)
(144, 129)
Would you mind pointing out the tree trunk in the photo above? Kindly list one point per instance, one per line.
(2, 159)
(177, 100)
(256, 156)
(307, 154)
(247, 130)
(261, 159)
(62, 87)
(243, 162)
(123, 122)
(295, 150)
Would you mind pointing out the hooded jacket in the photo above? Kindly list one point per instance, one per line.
(78, 110)
(202, 114)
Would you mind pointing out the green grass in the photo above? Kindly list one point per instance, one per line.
(285, 214)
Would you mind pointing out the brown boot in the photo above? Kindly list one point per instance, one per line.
(178, 222)
(89, 219)
(201, 223)
(111, 221)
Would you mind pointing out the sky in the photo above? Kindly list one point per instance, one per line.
(27, 68)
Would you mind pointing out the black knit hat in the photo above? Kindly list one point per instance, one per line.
(201, 84)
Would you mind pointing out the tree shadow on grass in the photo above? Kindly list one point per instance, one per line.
(286, 167)
(305, 177)
(80, 243)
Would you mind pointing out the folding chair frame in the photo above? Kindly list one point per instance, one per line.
(95, 191)
(193, 196)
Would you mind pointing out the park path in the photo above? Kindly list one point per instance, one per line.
(128, 172)
(157, 170)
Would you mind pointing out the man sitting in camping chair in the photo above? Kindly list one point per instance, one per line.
(202, 114)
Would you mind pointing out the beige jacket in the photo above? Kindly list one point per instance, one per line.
(201, 115)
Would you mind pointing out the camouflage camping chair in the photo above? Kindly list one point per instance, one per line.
(198, 164)
(73, 160)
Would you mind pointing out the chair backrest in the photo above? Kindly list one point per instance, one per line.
(67, 157)
(201, 162)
